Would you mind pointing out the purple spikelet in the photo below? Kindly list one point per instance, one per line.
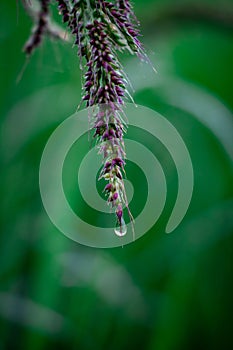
(64, 9)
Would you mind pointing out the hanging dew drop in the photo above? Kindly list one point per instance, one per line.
(121, 230)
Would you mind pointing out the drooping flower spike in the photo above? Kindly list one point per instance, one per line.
(101, 29)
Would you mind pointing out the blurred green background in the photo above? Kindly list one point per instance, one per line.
(163, 292)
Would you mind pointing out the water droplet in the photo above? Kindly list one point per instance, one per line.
(121, 230)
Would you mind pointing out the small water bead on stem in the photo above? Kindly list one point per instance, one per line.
(120, 229)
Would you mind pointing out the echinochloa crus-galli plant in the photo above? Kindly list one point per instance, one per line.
(100, 30)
